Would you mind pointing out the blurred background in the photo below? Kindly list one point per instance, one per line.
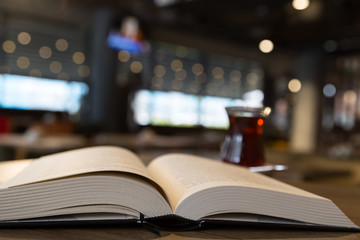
(155, 76)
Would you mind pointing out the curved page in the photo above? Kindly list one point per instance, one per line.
(200, 187)
(80, 161)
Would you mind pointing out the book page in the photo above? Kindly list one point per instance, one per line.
(80, 161)
(181, 175)
(9, 169)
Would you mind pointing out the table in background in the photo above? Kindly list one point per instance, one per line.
(346, 197)
(27, 146)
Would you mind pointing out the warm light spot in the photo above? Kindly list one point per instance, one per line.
(78, 57)
(63, 76)
(180, 75)
(123, 56)
(24, 38)
(136, 67)
(9, 46)
(197, 69)
(300, 4)
(260, 122)
(218, 72)
(350, 97)
(176, 65)
(35, 73)
(61, 45)
(45, 52)
(83, 71)
(159, 70)
(55, 67)
(266, 46)
(266, 112)
(294, 85)
(23, 62)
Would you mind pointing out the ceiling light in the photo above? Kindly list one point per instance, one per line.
(294, 85)
(266, 46)
(300, 4)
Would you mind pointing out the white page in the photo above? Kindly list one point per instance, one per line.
(9, 169)
(181, 175)
(80, 161)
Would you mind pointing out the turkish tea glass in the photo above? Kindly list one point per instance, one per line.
(244, 144)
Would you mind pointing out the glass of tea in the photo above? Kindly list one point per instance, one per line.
(244, 144)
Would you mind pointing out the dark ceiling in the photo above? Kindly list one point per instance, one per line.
(249, 21)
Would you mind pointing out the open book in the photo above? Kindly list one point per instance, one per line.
(106, 183)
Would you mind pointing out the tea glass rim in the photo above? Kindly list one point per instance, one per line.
(248, 111)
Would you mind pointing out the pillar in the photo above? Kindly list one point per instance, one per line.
(306, 115)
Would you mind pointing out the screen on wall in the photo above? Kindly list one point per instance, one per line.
(177, 109)
(128, 35)
(32, 93)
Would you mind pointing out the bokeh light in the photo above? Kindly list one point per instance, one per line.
(123, 56)
(300, 4)
(55, 67)
(266, 46)
(9, 46)
(78, 57)
(23, 62)
(61, 45)
(45, 52)
(329, 90)
(176, 65)
(24, 38)
(159, 70)
(136, 67)
(294, 85)
(83, 71)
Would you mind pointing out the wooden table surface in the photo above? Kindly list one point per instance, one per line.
(346, 197)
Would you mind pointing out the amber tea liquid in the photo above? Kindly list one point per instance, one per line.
(244, 143)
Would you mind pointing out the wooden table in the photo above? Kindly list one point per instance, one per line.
(346, 197)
